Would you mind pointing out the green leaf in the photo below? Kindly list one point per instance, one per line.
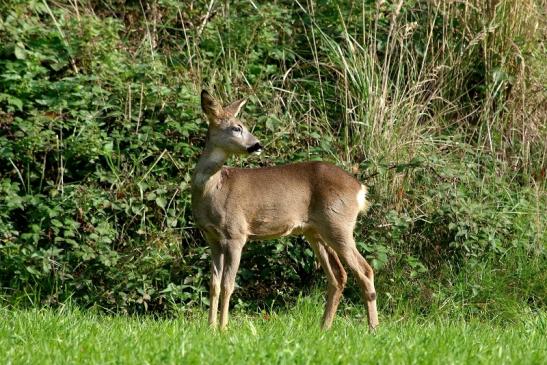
(20, 53)
(160, 201)
(12, 100)
(57, 223)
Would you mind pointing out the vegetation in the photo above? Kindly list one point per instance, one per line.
(71, 336)
(438, 106)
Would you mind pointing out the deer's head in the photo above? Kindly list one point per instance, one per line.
(226, 132)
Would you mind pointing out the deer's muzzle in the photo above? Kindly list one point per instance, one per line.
(255, 148)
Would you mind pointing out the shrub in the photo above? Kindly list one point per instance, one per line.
(436, 107)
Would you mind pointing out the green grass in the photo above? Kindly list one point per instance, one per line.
(72, 336)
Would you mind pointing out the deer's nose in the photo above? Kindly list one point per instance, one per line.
(255, 148)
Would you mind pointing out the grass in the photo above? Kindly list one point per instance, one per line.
(59, 336)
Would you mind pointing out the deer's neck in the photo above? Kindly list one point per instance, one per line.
(208, 169)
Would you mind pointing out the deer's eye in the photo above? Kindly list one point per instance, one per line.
(236, 129)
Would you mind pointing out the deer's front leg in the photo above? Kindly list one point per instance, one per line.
(232, 255)
(217, 260)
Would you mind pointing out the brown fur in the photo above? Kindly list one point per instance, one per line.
(233, 205)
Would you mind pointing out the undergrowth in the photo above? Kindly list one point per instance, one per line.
(438, 106)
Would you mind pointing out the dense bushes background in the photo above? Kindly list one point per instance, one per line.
(439, 106)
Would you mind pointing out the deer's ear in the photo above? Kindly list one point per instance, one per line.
(210, 106)
(233, 109)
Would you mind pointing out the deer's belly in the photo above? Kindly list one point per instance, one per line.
(266, 229)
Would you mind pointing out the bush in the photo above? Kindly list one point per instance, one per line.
(435, 107)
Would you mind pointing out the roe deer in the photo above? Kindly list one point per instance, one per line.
(233, 205)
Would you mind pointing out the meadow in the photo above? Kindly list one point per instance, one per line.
(291, 336)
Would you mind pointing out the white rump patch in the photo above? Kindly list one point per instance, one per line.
(362, 198)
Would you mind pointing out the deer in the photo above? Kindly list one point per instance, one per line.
(231, 206)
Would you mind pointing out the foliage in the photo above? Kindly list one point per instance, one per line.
(439, 108)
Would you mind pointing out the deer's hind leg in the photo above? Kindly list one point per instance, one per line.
(340, 239)
(336, 277)
(369, 293)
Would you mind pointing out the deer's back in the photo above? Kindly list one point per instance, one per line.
(276, 201)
